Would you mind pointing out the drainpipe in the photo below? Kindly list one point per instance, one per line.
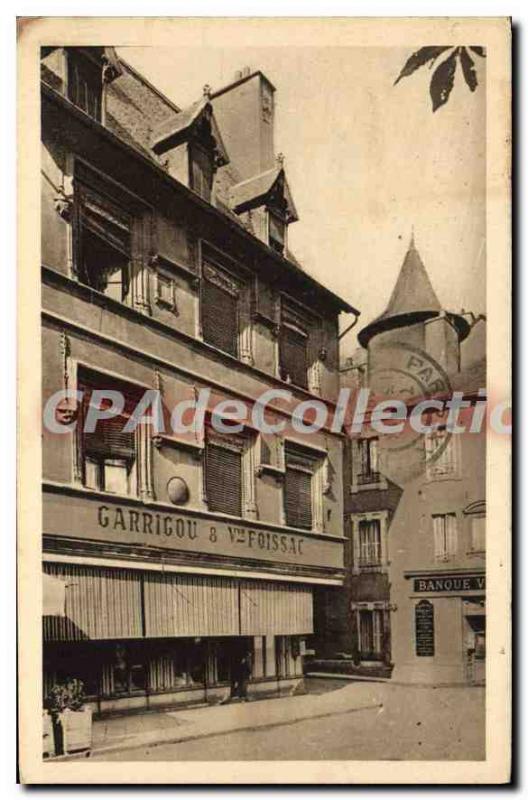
(352, 325)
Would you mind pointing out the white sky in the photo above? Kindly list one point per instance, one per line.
(365, 160)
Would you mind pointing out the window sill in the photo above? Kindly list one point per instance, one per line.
(381, 569)
(362, 487)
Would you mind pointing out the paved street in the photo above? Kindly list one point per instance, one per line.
(412, 723)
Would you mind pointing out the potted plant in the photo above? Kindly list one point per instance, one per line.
(71, 719)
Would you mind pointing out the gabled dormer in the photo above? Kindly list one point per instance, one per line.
(192, 146)
(267, 197)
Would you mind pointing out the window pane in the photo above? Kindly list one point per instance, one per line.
(116, 477)
(85, 84)
(92, 474)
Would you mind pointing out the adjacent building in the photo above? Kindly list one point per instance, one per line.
(415, 504)
(166, 266)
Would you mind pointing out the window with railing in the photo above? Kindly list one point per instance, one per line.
(367, 461)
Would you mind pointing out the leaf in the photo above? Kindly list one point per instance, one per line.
(480, 51)
(443, 80)
(418, 59)
(468, 69)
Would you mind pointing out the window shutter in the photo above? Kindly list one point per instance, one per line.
(219, 317)
(223, 479)
(109, 438)
(439, 538)
(293, 356)
(373, 453)
(377, 631)
(451, 534)
(298, 498)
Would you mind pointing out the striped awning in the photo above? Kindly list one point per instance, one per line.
(107, 603)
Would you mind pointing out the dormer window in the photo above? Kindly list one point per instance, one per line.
(276, 232)
(85, 83)
(192, 146)
(269, 195)
(201, 170)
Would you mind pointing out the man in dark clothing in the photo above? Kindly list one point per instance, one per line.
(240, 674)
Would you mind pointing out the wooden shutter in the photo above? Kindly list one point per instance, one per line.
(219, 316)
(293, 356)
(109, 438)
(451, 534)
(439, 538)
(298, 498)
(223, 479)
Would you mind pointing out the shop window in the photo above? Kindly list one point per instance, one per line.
(440, 450)
(128, 669)
(219, 307)
(103, 232)
(367, 466)
(445, 536)
(276, 232)
(371, 634)
(85, 84)
(108, 455)
(369, 543)
(478, 534)
(299, 484)
(201, 170)
(293, 348)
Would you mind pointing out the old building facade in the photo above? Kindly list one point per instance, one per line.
(414, 602)
(165, 266)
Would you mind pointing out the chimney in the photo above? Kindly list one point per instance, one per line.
(244, 111)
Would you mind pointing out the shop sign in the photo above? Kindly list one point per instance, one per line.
(450, 583)
(148, 525)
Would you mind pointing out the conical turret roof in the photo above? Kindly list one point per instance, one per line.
(413, 299)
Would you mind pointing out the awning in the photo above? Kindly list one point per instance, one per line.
(268, 609)
(107, 603)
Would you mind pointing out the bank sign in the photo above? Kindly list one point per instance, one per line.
(450, 583)
(77, 516)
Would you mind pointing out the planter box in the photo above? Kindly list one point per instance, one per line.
(48, 741)
(77, 729)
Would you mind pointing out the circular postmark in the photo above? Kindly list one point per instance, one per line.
(408, 374)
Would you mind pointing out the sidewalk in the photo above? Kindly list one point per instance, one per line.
(182, 725)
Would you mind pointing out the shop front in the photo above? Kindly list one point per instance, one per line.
(140, 639)
(440, 628)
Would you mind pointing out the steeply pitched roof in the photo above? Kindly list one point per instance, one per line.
(413, 290)
(413, 299)
(175, 130)
(255, 191)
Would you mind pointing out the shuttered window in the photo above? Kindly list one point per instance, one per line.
(108, 453)
(298, 489)
(223, 479)
(445, 536)
(201, 171)
(103, 232)
(219, 311)
(293, 353)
